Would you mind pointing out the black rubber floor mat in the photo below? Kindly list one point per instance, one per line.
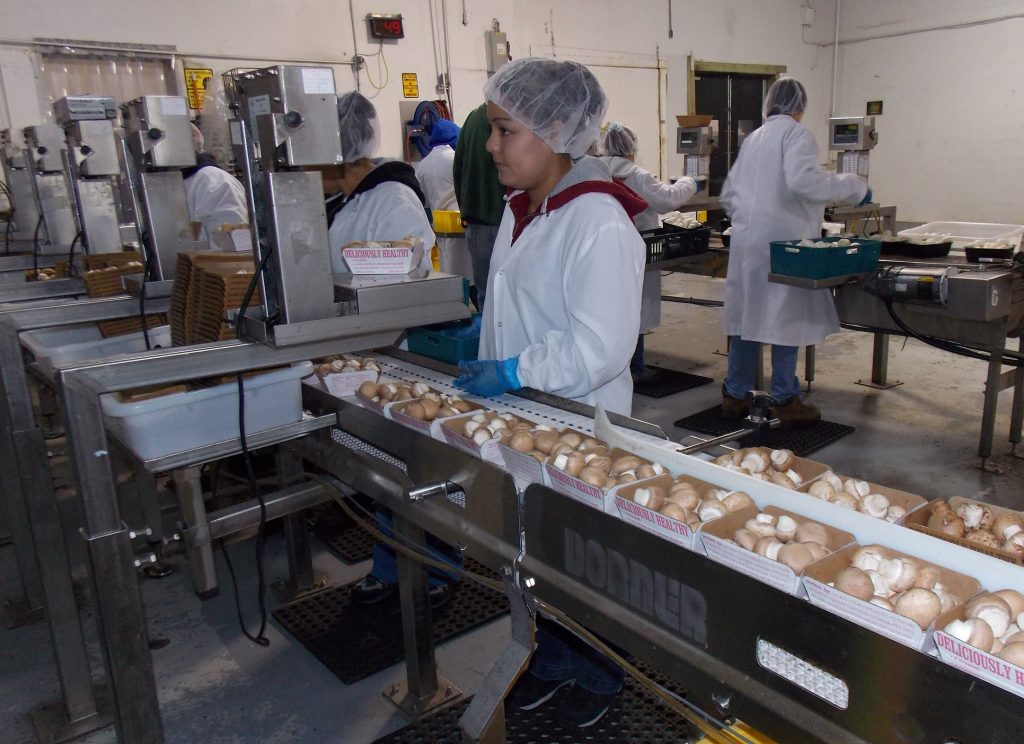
(636, 716)
(657, 382)
(347, 540)
(802, 441)
(355, 641)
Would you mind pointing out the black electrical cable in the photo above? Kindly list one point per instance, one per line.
(1010, 358)
(144, 255)
(35, 249)
(71, 252)
(7, 231)
(260, 637)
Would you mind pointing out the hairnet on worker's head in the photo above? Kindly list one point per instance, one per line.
(359, 127)
(560, 102)
(444, 132)
(198, 140)
(786, 96)
(619, 140)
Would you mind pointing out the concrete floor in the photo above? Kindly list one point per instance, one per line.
(215, 686)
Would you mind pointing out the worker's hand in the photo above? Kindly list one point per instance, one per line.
(868, 198)
(702, 183)
(489, 377)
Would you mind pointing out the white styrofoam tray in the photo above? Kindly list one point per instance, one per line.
(63, 345)
(963, 233)
(182, 421)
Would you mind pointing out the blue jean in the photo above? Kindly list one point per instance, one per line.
(636, 364)
(385, 565)
(742, 377)
(480, 239)
(560, 656)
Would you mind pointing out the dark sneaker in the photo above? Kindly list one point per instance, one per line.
(795, 414)
(582, 709)
(733, 409)
(532, 692)
(371, 590)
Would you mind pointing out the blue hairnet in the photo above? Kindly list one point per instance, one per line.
(786, 96)
(444, 133)
(560, 102)
(359, 127)
(619, 140)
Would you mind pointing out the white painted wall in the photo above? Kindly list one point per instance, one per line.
(627, 46)
(950, 140)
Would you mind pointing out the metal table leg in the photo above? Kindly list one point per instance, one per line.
(199, 546)
(880, 364)
(809, 352)
(988, 414)
(301, 577)
(1017, 411)
(759, 373)
(149, 498)
(425, 688)
(120, 617)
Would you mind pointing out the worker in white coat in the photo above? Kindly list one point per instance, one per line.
(617, 148)
(563, 300)
(378, 198)
(214, 197)
(777, 191)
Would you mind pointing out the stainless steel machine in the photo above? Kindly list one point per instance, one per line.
(46, 151)
(696, 144)
(158, 135)
(853, 138)
(18, 177)
(287, 121)
(93, 168)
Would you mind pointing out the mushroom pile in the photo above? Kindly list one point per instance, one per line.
(543, 441)
(602, 470)
(434, 406)
(386, 392)
(678, 219)
(681, 501)
(1000, 243)
(781, 538)
(993, 622)
(841, 243)
(42, 275)
(488, 425)
(851, 493)
(897, 583)
(333, 365)
(774, 466)
(977, 523)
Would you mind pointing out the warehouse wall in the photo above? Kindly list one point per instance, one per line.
(627, 46)
(950, 144)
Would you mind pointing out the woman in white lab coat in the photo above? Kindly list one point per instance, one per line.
(563, 306)
(214, 197)
(617, 149)
(381, 198)
(563, 301)
(777, 191)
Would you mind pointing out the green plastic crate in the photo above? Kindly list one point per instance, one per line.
(447, 342)
(790, 259)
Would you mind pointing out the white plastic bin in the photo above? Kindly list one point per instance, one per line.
(183, 421)
(963, 233)
(56, 347)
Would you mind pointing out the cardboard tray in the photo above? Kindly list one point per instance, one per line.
(523, 467)
(974, 661)
(909, 501)
(919, 519)
(451, 432)
(621, 505)
(396, 412)
(880, 620)
(809, 470)
(716, 538)
(582, 491)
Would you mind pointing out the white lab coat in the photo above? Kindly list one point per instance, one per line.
(566, 299)
(215, 198)
(661, 198)
(777, 191)
(435, 175)
(389, 211)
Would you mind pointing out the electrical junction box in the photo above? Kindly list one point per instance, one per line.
(496, 49)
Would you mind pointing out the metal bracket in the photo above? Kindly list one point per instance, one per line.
(195, 537)
(398, 694)
(440, 488)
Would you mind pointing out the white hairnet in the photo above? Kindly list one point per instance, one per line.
(198, 141)
(359, 126)
(560, 102)
(786, 96)
(619, 140)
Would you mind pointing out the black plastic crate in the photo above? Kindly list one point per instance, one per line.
(668, 242)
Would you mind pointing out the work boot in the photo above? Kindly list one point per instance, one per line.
(733, 409)
(795, 414)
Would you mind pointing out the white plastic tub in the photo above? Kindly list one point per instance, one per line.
(183, 421)
(57, 347)
(963, 233)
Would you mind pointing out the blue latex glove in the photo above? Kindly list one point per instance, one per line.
(868, 198)
(489, 377)
(702, 183)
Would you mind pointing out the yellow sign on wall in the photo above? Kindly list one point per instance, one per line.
(196, 79)
(410, 86)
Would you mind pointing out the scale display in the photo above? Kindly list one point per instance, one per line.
(386, 26)
(845, 134)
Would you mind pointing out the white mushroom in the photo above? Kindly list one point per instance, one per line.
(899, 572)
(993, 610)
(785, 528)
(972, 631)
(874, 505)
(868, 559)
(895, 513)
(857, 488)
